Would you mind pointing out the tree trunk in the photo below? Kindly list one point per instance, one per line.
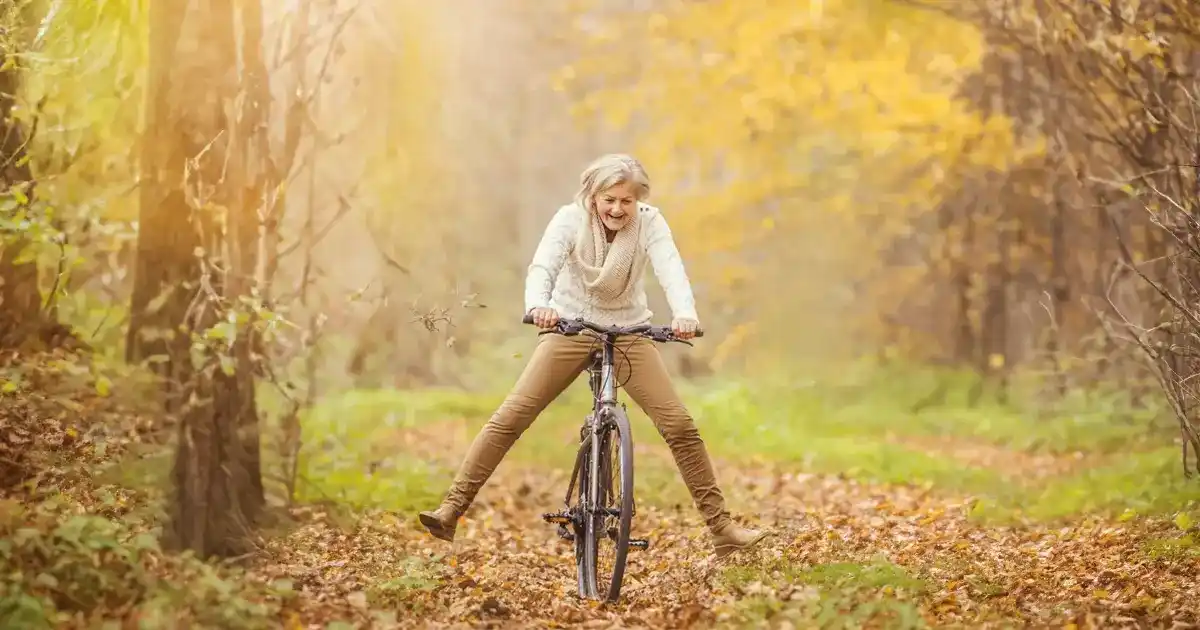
(21, 314)
(198, 251)
(166, 269)
(260, 179)
(964, 339)
(1100, 279)
(999, 287)
(1060, 293)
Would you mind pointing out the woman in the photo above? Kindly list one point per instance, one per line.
(590, 264)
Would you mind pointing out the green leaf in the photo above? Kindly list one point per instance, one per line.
(26, 611)
(145, 542)
(222, 331)
(103, 386)
(47, 580)
(1183, 521)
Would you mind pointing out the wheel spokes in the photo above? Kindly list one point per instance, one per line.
(601, 522)
(608, 515)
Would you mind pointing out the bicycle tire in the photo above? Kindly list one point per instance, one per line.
(582, 464)
(596, 531)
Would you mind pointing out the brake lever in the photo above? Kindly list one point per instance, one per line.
(667, 338)
(560, 329)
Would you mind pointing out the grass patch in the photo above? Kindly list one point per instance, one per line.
(834, 427)
(346, 454)
(349, 454)
(1172, 549)
(1146, 483)
(393, 409)
(876, 575)
(842, 428)
(889, 402)
(1095, 431)
(142, 467)
(809, 431)
(833, 595)
(415, 575)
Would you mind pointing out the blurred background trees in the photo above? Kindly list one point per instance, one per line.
(267, 202)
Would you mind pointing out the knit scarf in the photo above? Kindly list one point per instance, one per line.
(608, 270)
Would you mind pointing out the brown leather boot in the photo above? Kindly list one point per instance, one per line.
(441, 522)
(729, 538)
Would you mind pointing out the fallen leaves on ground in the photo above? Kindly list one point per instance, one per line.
(57, 411)
(843, 553)
(507, 567)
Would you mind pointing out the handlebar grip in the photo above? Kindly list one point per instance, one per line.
(699, 333)
(528, 319)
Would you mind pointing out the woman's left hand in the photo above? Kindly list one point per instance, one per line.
(685, 328)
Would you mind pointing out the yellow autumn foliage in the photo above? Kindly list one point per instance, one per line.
(792, 142)
(404, 177)
(81, 89)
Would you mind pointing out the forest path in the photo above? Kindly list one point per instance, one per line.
(843, 554)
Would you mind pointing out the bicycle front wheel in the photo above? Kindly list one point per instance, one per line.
(607, 527)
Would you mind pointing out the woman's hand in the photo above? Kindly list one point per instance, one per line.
(685, 328)
(544, 317)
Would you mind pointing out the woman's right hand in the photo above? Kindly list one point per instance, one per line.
(544, 317)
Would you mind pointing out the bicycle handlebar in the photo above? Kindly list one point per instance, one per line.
(575, 326)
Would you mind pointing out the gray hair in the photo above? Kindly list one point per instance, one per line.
(611, 170)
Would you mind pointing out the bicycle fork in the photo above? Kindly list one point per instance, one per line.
(589, 507)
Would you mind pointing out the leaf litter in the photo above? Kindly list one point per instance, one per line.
(842, 550)
(506, 567)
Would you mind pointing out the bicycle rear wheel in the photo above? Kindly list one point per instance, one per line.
(603, 548)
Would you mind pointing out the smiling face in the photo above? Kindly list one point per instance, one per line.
(617, 206)
(611, 186)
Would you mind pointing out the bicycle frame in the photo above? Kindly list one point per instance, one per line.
(606, 422)
(602, 380)
(604, 393)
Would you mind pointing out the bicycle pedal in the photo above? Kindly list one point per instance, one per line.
(639, 543)
(565, 533)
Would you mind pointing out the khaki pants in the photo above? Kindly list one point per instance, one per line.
(556, 363)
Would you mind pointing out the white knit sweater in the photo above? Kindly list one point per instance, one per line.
(555, 283)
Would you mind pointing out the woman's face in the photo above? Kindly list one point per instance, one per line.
(617, 206)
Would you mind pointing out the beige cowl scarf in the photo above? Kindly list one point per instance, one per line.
(608, 270)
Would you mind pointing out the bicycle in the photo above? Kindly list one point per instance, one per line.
(596, 515)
